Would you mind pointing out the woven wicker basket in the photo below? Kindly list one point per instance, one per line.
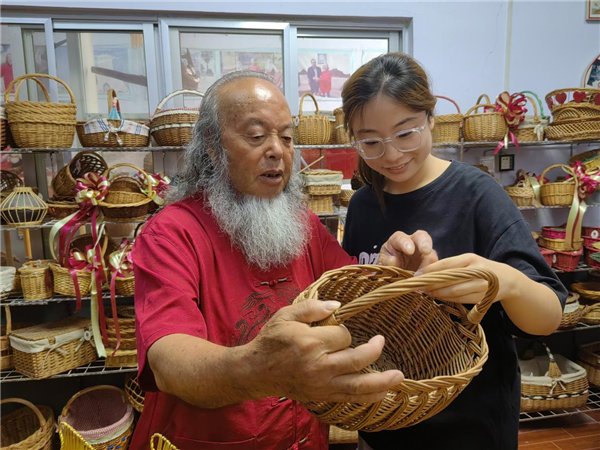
(549, 382)
(346, 196)
(532, 128)
(30, 428)
(557, 193)
(125, 206)
(549, 255)
(341, 135)
(567, 261)
(320, 204)
(590, 159)
(8, 182)
(102, 417)
(64, 284)
(64, 182)
(591, 314)
(560, 245)
(447, 126)
(323, 181)
(159, 442)
(61, 207)
(40, 125)
(589, 290)
(126, 321)
(486, 126)
(572, 312)
(574, 128)
(563, 102)
(588, 357)
(554, 232)
(174, 127)
(121, 358)
(340, 436)
(312, 129)
(36, 354)
(134, 394)
(522, 193)
(71, 439)
(35, 281)
(423, 340)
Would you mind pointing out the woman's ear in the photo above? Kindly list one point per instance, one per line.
(431, 120)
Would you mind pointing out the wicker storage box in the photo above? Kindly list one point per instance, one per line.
(30, 428)
(422, 340)
(549, 382)
(320, 204)
(35, 280)
(572, 312)
(447, 126)
(52, 348)
(174, 127)
(486, 126)
(64, 182)
(588, 357)
(323, 181)
(113, 133)
(557, 193)
(313, 129)
(38, 124)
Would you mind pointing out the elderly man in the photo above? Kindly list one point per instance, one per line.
(223, 356)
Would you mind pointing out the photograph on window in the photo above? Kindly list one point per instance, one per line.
(327, 78)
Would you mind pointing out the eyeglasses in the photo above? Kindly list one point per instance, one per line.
(404, 141)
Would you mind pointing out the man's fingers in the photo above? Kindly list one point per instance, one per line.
(366, 383)
(308, 311)
(431, 258)
(352, 360)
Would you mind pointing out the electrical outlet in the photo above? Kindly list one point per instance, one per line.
(507, 162)
(489, 162)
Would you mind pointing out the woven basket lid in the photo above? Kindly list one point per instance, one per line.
(53, 329)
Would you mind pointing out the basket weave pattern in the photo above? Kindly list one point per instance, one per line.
(64, 182)
(175, 127)
(30, 428)
(557, 193)
(447, 126)
(313, 129)
(486, 126)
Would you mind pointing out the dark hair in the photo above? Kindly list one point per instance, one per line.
(397, 76)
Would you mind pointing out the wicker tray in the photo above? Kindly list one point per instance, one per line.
(574, 129)
(447, 126)
(589, 290)
(315, 180)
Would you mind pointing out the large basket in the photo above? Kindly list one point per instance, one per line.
(589, 160)
(40, 125)
(486, 126)
(563, 103)
(64, 182)
(588, 357)
(522, 193)
(589, 290)
(447, 126)
(101, 416)
(159, 442)
(30, 428)
(572, 312)
(174, 127)
(533, 127)
(125, 206)
(341, 135)
(71, 439)
(549, 382)
(575, 128)
(35, 280)
(439, 356)
(313, 129)
(133, 392)
(557, 193)
(52, 348)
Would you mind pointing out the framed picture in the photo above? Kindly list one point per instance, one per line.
(592, 9)
(591, 77)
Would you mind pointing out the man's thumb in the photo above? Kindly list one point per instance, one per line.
(309, 311)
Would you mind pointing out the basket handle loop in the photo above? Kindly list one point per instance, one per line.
(36, 75)
(479, 105)
(450, 100)
(162, 443)
(80, 155)
(393, 290)
(533, 94)
(484, 96)
(553, 369)
(576, 111)
(30, 405)
(107, 173)
(554, 166)
(8, 320)
(308, 94)
(525, 177)
(40, 84)
(536, 118)
(173, 94)
(65, 411)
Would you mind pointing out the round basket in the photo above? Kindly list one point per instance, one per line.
(40, 125)
(133, 392)
(125, 286)
(64, 182)
(447, 126)
(554, 232)
(532, 128)
(439, 356)
(174, 127)
(560, 245)
(61, 207)
(35, 281)
(575, 128)
(563, 103)
(486, 126)
(311, 130)
(589, 290)
(101, 415)
(124, 206)
(557, 193)
(589, 160)
(341, 135)
(522, 193)
(588, 356)
(30, 428)
(8, 182)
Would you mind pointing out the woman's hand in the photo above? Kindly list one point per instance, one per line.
(472, 291)
(409, 252)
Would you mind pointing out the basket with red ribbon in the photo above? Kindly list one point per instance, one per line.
(512, 107)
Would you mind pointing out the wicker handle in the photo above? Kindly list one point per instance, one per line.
(479, 105)
(450, 100)
(533, 94)
(482, 96)
(525, 177)
(107, 172)
(80, 155)
(30, 405)
(308, 94)
(65, 411)
(40, 84)
(414, 284)
(35, 75)
(554, 166)
(8, 320)
(553, 369)
(536, 118)
(576, 111)
(162, 443)
(173, 94)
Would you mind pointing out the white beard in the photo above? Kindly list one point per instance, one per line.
(270, 232)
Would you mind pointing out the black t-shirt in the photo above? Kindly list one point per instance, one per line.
(465, 211)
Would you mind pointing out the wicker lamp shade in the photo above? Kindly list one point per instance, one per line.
(23, 208)
(440, 347)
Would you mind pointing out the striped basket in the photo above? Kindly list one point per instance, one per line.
(174, 127)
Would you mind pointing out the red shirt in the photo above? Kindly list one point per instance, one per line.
(325, 85)
(189, 280)
(6, 72)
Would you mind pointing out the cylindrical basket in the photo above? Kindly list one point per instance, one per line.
(486, 126)
(389, 301)
(64, 182)
(447, 126)
(557, 193)
(572, 312)
(30, 428)
(174, 127)
(35, 280)
(37, 124)
(312, 129)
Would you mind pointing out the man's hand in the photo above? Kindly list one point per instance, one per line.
(409, 252)
(292, 359)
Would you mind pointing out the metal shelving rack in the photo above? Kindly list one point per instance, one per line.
(592, 404)
(91, 369)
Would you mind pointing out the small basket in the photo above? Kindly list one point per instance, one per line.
(346, 196)
(71, 439)
(121, 358)
(320, 204)
(522, 193)
(532, 128)
(560, 245)
(389, 301)
(102, 416)
(64, 284)
(589, 241)
(557, 193)
(311, 129)
(134, 394)
(576, 128)
(35, 280)
(125, 286)
(341, 135)
(549, 382)
(40, 125)
(174, 127)
(30, 428)
(589, 290)
(592, 257)
(484, 127)
(64, 182)
(563, 103)
(126, 321)
(588, 357)
(589, 160)
(554, 232)
(125, 206)
(447, 126)
(591, 314)
(60, 208)
(323, 181)
(572, 312)
(549, 255)
(8, 182)
(52, 348)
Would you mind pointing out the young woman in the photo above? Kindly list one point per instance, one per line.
(388, 109)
